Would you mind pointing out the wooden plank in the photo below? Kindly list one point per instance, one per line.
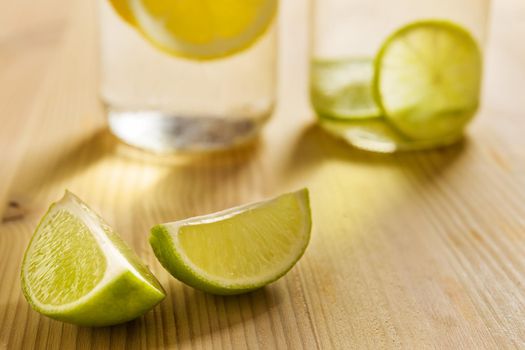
(421, 250)
(27, 49)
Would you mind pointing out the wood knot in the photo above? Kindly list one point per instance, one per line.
(13, 212)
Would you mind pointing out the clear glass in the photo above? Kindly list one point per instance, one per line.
(163, 103)
(347, 36)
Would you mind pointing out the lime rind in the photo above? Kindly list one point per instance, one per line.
(169, 252)
(119, 300)
(451, 108)
(122, 294)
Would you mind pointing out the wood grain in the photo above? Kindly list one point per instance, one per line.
(413, 251)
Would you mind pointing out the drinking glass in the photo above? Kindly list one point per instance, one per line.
(162, 103)
(397, 75)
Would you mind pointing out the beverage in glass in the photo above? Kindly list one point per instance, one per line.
(187, 75)
(397, 75)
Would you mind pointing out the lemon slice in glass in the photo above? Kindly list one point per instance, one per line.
(199, 29)
(239, 249)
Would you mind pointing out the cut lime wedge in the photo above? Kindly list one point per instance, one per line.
(77, 269)
(427, 79)
(204, 29)
(342, 89)
(239, 249)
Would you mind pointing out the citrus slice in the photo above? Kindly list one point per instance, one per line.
(77, 269)
(379, 136)
(427, 79)
(239, 249)
(203, 29)
(342, 89)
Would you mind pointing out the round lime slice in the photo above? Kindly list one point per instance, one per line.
(77, 269)
(342, 89)
(239, 249)
(427, 79)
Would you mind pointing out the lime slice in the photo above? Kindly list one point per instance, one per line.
(427, 79)
(379, 136)
(77, 269)
(239, 249)
(204, 29)
(342, 89)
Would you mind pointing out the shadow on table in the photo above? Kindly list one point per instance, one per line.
(52, 167)
(58, 161)
(187, 317)
(356, 195)
(204, 184)
(190, 176)
(198, 315)
(315, 146)
(58, 165)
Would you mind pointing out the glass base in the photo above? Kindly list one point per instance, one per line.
(378, 136)
(159, 132)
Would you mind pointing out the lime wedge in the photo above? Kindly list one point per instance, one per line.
(77, 269)
(204, 29)
(427, 79)
(239, 249)
(342, 89)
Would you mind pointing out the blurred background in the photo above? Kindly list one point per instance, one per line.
(413, 249)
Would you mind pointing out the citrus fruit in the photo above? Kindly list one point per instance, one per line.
(427, 79)
(342, 89)
(239, 249)
(203, 29)
(77, 269)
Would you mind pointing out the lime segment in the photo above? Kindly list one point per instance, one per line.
(77, 269)
(427, 79)
(236, 250)
(67, 262)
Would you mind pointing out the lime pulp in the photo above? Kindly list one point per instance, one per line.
(239, 249)
(77, 269)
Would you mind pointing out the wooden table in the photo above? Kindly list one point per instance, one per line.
(415, 251)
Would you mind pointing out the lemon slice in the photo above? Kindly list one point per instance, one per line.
(199, 29)
(239, 249)
(77, 269)
(427, 79)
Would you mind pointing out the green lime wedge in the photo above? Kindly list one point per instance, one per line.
(342, 89)
(427, 79)
(239, 249)
(77, 269)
